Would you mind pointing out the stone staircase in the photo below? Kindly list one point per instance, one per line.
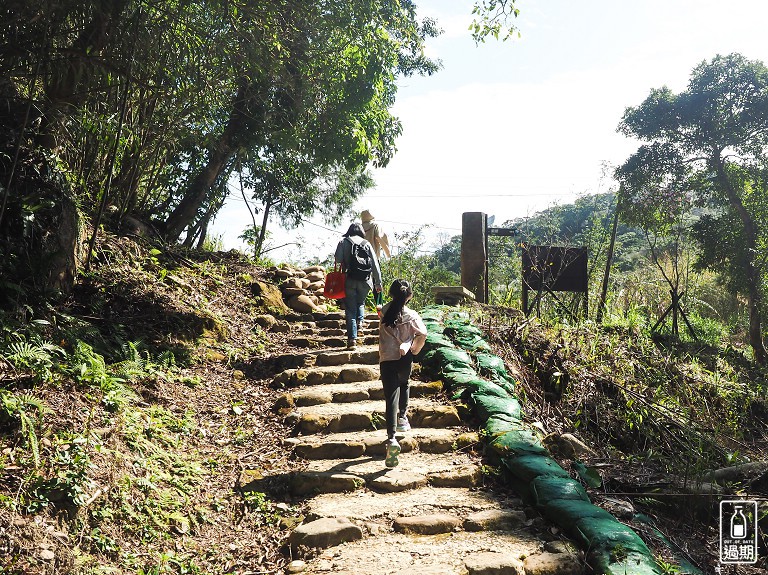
(430, 515)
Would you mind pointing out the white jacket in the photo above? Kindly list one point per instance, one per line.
(409, 333)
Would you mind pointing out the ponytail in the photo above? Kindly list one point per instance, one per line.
(400, 292)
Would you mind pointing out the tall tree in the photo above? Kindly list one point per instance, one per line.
(318, 79)
(711, 139)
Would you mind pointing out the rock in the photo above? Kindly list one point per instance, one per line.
(398, 480)
(270, 295)
(464, 476)
(316, 286)
(495, 520)
(313, 398)
(350, 422)
(553, 564)
(310, 423)
(285, 401)
(308, 482)
(292, 283)
(281, 273)
(301, 303)
(567, 445)
(316, 276)
(290, 292)
(281, 327)
(492, 563)
(559, 547)
(436, 416)
(311, 269)
(296, 567)
(469, 439)
(330, 450)
(427, 524)
(354, 374)
(266, 321)
(324, 533)
(351, 396)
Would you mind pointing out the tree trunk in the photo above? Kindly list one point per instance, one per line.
(201, 184)
(754, 295)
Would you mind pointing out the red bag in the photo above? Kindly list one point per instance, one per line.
(334, 284)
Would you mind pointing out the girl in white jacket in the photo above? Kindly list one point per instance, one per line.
(402, 334)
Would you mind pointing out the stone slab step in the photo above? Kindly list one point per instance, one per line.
(368, 323)
(363, 354)
(319, 341)
(369, 506)
(416, 470)
(350, 392)
(371, 443)
(334, 332)
(318, 375)
(336, 417)
(458, 553)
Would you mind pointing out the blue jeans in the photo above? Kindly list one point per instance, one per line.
(354, 305)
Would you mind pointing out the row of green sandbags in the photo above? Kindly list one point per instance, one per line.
(480, 378)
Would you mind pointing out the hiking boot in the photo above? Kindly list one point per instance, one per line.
(351, 344)
(403, 424)
(393, 450)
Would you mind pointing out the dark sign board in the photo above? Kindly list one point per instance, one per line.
(502, 231)
(555, 268)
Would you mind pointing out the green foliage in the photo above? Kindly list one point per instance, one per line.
(493, 18)
(38, 357)
(18, 409)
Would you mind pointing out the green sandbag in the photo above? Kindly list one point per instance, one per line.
(466, 377)
(528, 467)
(502, 423)
(493, 366)
(452, 356)
(567, 512)
(629, 563)
(435, 340)
(545, 489)
(488, 405)
(481, 386)
(517, 442)
(605, 533)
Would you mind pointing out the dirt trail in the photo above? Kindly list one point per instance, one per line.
(432, 514)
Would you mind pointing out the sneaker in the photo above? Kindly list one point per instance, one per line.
(393, 450)
(403, 424)
(351, 344)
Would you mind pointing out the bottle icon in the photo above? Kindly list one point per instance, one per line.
(738, 523)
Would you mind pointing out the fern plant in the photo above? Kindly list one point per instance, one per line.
(18, 408)
(39, 358)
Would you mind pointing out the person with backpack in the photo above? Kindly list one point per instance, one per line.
(356, 257)
(402, 334)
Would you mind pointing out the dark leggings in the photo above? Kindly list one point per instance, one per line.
(394, 376)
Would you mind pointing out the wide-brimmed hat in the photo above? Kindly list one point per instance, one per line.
(366, 216)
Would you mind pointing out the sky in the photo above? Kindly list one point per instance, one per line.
(512, 128)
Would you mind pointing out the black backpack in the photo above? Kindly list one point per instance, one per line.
(360, 262)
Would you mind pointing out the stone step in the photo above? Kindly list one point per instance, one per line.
(334, 332)
(320, 341)
(362, 354)
(318, 375)
(349, 393)
(368, 323)
(457, 553)
(416, 470)
(371, 443)
(321, 316)
(367, 415)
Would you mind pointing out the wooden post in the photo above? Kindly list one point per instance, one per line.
(474, 254)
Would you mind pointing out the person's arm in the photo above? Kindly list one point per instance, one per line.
(376, 270)
(339, 256)
(419, 335)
